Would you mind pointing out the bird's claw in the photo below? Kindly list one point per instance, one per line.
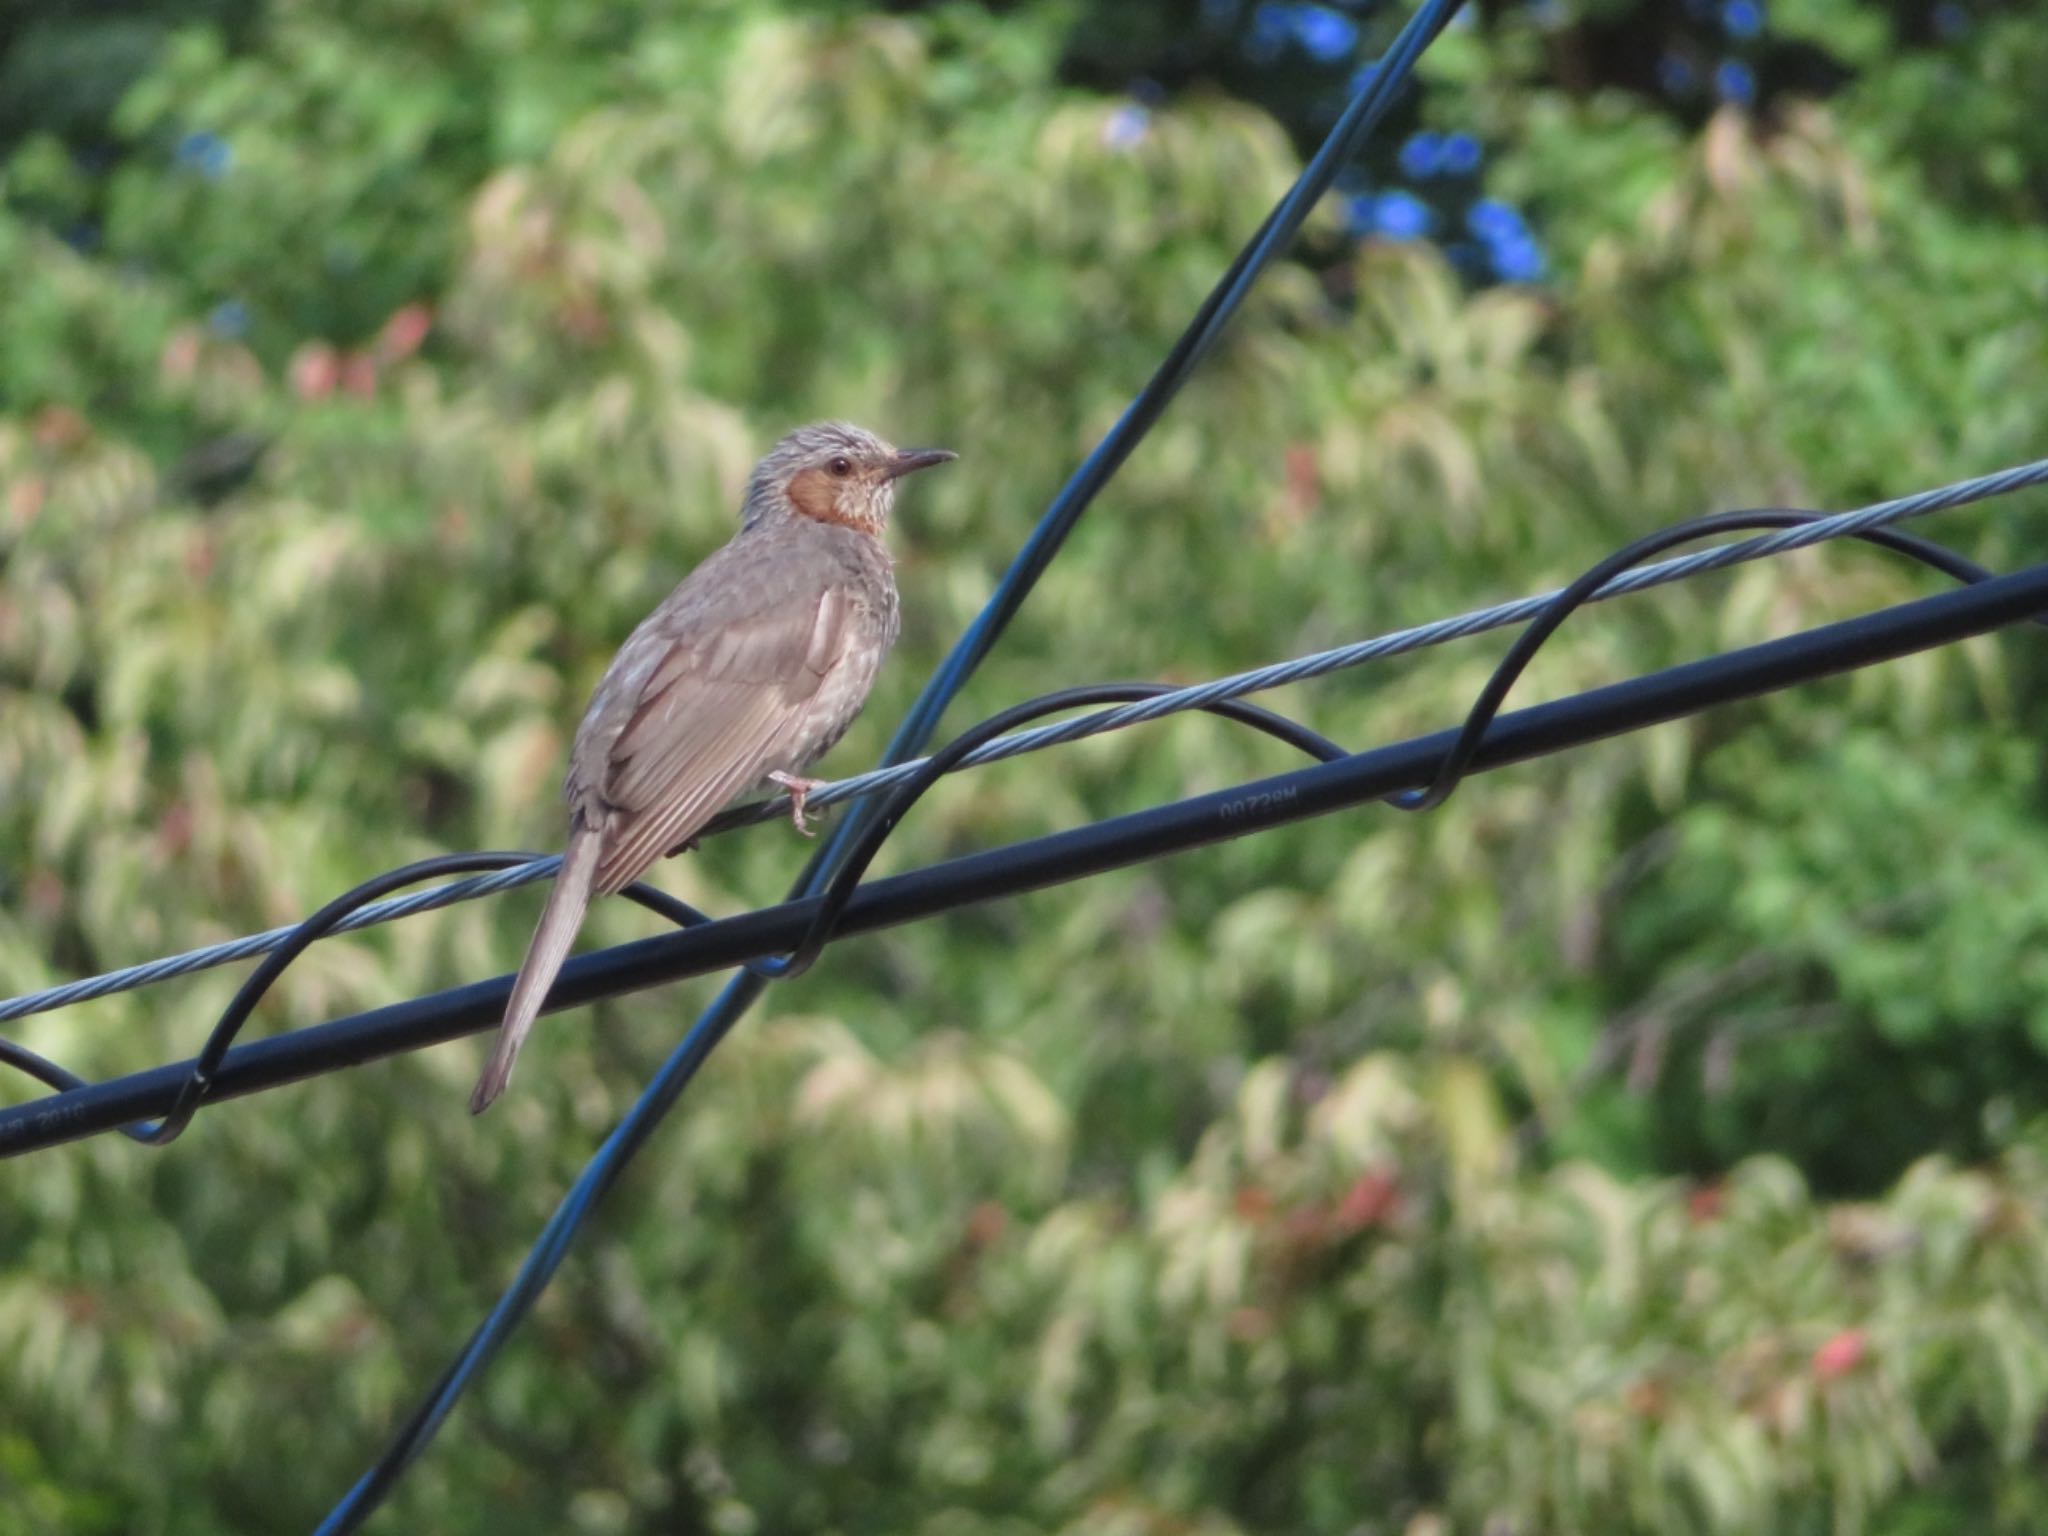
(798, 788)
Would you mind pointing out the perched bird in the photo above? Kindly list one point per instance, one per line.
(747, 673)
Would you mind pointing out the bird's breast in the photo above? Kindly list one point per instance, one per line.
(842, 692)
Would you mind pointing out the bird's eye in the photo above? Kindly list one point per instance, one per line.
(839, 467)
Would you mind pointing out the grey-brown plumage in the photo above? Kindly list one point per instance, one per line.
(749, 671)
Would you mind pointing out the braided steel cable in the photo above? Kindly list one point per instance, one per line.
(1801, 529)
(1136, 837)
(824, 915)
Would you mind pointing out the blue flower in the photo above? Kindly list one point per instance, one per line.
(1735, 81)
(1400, 216)
(230, 318)
(1358, 213)
(206, 153)
(1517, 260)
(1742, 18)
(1461, 155)
(83, 237)
(1324, 35)
(1494, 221)
(1951, 21)
(1422, 155)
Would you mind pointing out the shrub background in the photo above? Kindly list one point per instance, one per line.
(1648, 1141)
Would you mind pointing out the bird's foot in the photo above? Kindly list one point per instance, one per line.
(798, 787)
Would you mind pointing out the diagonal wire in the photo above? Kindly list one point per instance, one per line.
(1360, 116)
(1278, 674)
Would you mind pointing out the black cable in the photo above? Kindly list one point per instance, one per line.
(875, 831)
(1059, 857)
(1452, 769)
(433, 1407)
(199, 1078)
(1457, 762)
(682, 914)
(898, 801)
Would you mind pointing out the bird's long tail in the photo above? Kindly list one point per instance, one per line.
(559, 920)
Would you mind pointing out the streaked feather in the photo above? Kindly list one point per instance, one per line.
(568, 899)
(719, 688)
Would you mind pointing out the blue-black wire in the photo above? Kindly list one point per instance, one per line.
(1360, 116)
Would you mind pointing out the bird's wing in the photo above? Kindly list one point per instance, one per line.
(723, 701)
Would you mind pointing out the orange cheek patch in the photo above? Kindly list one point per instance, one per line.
(811, 490)
(816, 495)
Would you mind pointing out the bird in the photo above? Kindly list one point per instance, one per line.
(748, 672)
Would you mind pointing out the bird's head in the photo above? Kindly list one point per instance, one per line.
(834, 473)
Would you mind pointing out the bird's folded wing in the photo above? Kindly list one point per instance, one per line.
(719, 709)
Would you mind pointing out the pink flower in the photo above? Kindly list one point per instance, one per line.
(315, 370)
(404, 332)
(1374, 1198)
(1840, 1355)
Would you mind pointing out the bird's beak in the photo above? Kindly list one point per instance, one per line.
(908, 460)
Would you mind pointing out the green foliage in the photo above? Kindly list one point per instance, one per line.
(1318, 1182)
